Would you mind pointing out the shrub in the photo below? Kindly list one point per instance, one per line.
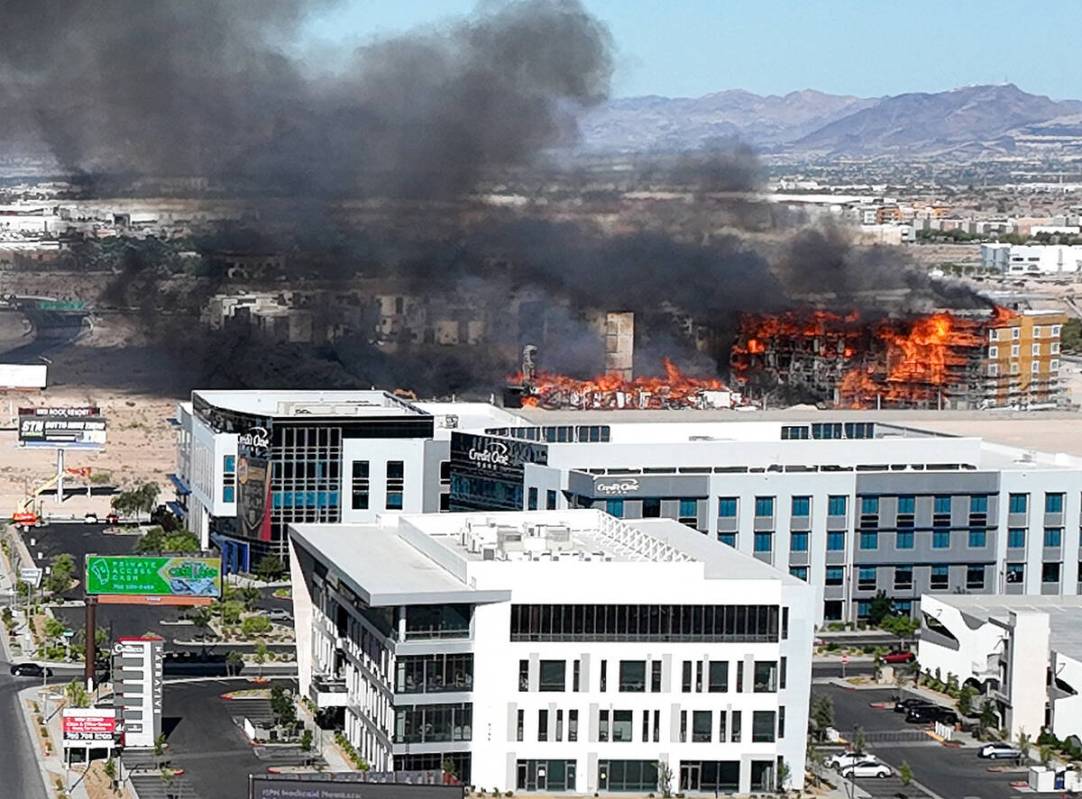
(255, 625)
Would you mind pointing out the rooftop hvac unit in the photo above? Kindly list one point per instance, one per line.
(488, 553)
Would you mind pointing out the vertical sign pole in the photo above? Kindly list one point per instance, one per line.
(91, 641)
(59, 475)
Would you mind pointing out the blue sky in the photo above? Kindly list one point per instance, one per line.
(867, 48)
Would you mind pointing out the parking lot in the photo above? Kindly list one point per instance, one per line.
(950, 773)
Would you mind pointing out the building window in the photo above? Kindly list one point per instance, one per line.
(940, 577)
(903, 577)
(740, 676)
(1017, 503)
(869, 539)
(835, 575)
(524, 675)
(615, 507)
(942, 505)
(762, 726)
(550, 500)
(722, 731)
(359, 488)
(783, 673)
(764, 541)
(718, 677)
(1035, 350)
(427, 674)
(559, 725)
(729, 539)
(1016, 537)
(655, 676)
(633, 676)
(520, 725)
(764, 506)
(531, 498)
(395, 484)
(542, 725)
(903, 539)
(603, 726)
(727, 507)
(766, 677)
(572, 725)
(793, 432)
(993, 351)
(1053, 536)
(1016, 573)
(978, 504)
(864, 608)
(734, 727)
(689, 512)
(977, 539)
(781, 721)
(702, 725)
(869, 505)
(1053, 503)
(1050, 572)
(553, 674)
(685, 683)
(798, 542)
(975, 577)
(835, 541)
(417, 724)
(800, 572)
(621, 726)
(651, 508)
(576, 669)
(801, 506)
(229, 478)
(836, 505)
(941, 539)
(907, 504)
(866, 578)
(603, 684)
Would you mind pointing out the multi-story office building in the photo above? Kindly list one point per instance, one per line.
(1024, 654)
(555, 651)
(854, 508)
(249, 463)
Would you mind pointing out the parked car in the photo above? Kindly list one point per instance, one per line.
(929, 714)
(279, 614)
(90, 518)
(899, 656)
(844, 760)
(30, 670)
(867, 768)
(1000, 750)
(903, 705)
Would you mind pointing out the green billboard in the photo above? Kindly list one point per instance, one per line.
(149, 575)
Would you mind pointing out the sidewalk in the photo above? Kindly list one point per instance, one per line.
(328, 749)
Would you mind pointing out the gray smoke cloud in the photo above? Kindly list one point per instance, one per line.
(208, 88)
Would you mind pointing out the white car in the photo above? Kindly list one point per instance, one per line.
(846, 759)
(867, 768)
(90, 518)
(1000, 749)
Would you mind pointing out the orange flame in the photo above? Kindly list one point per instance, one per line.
(671, 390)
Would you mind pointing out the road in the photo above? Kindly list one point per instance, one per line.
(951, 773)
(204, 741)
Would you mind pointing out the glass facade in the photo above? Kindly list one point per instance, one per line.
(627, 775)
(644, 623)
(428, 674)
(433, 723)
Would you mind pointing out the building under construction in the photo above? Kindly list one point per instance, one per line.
(964, 360)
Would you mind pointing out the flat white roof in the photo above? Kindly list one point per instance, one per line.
(282, 403)
(424, 558)
(1064, 614)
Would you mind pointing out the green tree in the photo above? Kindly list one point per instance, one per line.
(822, 714)
(1071, 336)
(306, 741)
(261, 653)
(1024, 743)
(784, 776)
(900, 625)
(905, 773)
(61, 572)
(858, 739)
(231, 611)
(283, 707)
(201, 617)
(54, 629)
(255, 625)
(879, 608)
(75, 693)
(269, 569)
(664, 778)
(966, 695)
(988, 716)
(234, 663)
(249, 595)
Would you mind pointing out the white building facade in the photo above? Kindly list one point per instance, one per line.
(1032, 259)
(1022, 653)
(556, 651)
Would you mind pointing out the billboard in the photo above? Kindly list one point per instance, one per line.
(81, 426)
(89, 725)
(254, 484)
(154, 575)
(333, 786)
(29, 376)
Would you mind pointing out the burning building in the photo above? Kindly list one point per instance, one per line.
(988, 359)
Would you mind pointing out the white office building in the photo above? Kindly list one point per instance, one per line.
(1023, 653)
(555, 651)
(1032, 259)
(854, 508)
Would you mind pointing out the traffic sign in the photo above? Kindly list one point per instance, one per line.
(845, 659)
(32, 575)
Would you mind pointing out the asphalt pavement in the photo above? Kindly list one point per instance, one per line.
(951, 773)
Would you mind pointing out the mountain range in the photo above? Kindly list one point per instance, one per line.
(972, 119)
